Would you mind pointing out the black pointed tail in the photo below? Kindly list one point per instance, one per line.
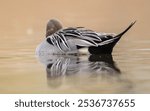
(106, 47)
(117, 37)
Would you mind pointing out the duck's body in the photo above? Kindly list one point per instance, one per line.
(70, 40)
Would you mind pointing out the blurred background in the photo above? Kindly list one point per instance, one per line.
(22, 28)
(23, 17)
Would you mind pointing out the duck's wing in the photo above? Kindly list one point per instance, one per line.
(59, 40)
(64, 39)
(81, 33)
(78, 36)
(86, 38)
(81, 36)
(101, 38)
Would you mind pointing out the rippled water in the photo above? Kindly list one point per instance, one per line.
(124, 72)
(127, 70)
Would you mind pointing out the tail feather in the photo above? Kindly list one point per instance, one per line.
(122, 33)
(116, 38)
(106, 47)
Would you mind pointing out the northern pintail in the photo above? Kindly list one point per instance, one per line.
(61, 40)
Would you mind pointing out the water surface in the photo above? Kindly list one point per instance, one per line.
(127, 70)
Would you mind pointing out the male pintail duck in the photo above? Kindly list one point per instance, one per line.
(70, 40)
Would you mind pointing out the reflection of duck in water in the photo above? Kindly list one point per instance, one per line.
(57, 66)
(62, 67)
(103, 64)
(70, 40)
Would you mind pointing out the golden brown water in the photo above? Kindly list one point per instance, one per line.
(22, 28)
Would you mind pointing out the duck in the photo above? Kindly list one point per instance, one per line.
(62, 41)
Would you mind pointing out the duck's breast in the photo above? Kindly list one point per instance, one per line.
(47, 48)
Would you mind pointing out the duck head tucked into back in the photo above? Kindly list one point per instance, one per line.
(53, 26)
(70, 40)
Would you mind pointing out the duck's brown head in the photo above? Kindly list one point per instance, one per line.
(53, 26)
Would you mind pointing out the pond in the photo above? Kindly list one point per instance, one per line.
(127, 70)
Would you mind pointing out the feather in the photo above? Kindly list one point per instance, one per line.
(81, 42)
